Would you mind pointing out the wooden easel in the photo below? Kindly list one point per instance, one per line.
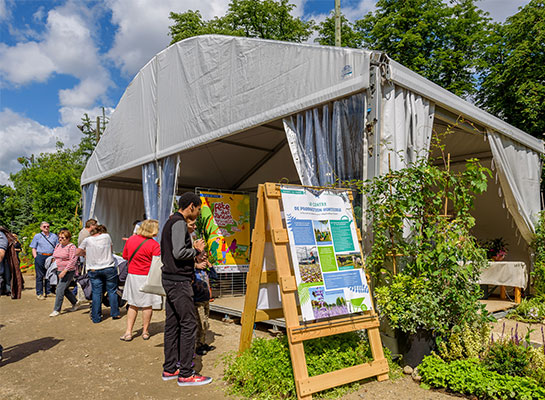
(269, 227)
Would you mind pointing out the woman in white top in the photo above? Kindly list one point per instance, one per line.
(101, 270)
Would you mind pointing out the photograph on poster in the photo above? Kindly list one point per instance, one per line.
(322, 232)
(309, 265)
(327, 303)
(349, 261)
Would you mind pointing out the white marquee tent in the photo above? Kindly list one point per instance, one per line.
(230, 113)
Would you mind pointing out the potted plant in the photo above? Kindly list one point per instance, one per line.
(411, 309)
(496, 249)
(424, 261)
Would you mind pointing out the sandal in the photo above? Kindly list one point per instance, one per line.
(146, 336)
(126, 338)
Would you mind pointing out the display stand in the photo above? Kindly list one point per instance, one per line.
(269, 227)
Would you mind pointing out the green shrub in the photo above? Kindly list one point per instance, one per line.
(469, 377)
(538, 245)
(529, 310)
(264, 371)
(507, 357)
(470, 342)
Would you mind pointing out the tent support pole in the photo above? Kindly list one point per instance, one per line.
(259, 164)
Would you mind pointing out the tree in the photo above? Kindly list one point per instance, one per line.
(441, 42)
(7, 213)
(513, 79)
(349, 37)
(47, 187)
(265, 19)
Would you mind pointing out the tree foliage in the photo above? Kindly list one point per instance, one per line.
(264, 19)
(349, 36)
(47, 187)
(441, 42)
(513, 77)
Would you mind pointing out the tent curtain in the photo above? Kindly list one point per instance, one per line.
(407, 128)
(89, 193)
(518, 170)
(169, 173)
(327, 142)
(150, 190)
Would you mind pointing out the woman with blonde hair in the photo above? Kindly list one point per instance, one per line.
(139, 251)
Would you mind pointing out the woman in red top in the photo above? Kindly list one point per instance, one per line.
(139, 251)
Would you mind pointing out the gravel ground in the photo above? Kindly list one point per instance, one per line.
(70, 357)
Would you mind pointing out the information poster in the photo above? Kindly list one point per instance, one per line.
(326, 253)
(227, 219)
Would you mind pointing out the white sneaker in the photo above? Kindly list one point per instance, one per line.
(75, 307)
(54, 314)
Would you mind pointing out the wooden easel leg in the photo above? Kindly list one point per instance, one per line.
(254, 276)
(503, 295)
(376, 349)
(517, 295)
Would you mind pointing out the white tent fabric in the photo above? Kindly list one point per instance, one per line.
(130, 136)
(207, 87)
(406, 127)
(89, 193)
(327, 145)
(150, 190)
(404, 77)
(518, 170)
(117, 209)
(169, 172)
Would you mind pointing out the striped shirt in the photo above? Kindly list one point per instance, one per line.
(65, 257)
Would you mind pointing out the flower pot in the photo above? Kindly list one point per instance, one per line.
(415, 346)
(498, 257)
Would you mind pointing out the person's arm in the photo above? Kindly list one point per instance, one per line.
(80, 251)
(179, 250)
(33, 245)
(3, 246)
(72, 259)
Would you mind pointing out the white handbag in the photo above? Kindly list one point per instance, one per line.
(154, 282)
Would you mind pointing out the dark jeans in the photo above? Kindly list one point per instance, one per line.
(63, 290)
(180, 327)
(100, 279)
(5, 278)
(39, 266)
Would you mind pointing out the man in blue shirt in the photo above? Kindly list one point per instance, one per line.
(42, 246)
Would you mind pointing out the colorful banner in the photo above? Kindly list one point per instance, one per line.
(325, 252)
(226, 219)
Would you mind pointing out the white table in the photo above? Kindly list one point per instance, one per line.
(506, 273)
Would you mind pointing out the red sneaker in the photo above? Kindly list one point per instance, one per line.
(194, 380)
(167, 376)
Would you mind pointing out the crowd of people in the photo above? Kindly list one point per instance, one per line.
(59, 264)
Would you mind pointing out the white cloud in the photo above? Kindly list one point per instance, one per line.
(499, 10)
(142, 28)
(4, 12)
(25, 62)
(65, 47)
(21, 136)
(86, 92)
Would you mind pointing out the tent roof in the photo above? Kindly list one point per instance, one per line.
(408, 79)
(209, 87)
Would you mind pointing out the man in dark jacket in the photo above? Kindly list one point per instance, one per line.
(178, 256)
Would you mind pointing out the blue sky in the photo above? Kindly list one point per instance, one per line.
(62, 58)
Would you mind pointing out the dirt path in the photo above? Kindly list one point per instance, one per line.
(70, 357)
